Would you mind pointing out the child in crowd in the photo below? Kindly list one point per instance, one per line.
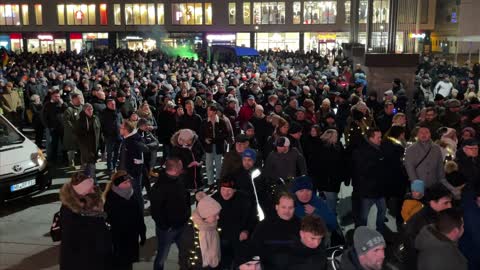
(413, 202)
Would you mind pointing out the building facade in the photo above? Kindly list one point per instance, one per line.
(55, 25)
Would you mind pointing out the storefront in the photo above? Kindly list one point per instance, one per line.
(220, 39)
(46, 42)
(13, 42)
(243, 39)
(323, 42)
(277, 41)
(139, 43)
(190, 40)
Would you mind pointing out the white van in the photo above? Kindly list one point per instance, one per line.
(23, 166)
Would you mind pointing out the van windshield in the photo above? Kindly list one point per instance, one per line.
(8, 135)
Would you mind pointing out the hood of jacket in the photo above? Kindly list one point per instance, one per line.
(81, 204)
(174, 139)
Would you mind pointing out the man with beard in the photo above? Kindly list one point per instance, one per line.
(367, 253)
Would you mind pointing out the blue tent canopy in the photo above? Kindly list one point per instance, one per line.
(244, 51)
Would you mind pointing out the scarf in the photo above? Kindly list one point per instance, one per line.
(209, 240)
(124, 193)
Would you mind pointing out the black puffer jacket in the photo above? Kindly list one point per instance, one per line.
(369, 166)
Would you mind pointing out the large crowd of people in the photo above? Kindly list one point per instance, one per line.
(261, 149)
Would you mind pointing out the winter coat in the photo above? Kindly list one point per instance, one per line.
(397, 184)
(98, 106)
(321, 210)
(470, 242)
(384, 122)
(131, 155)
(245, 114)
(193, 122)
(350, 261)
(326, 164)
(232, 163)
(437, 252)
(52, 116)
(167, 125)
(86, 238)
(285, 165)
(193, 177)
(369, 171)
(127, 226)
(70, 118)
(170, 202)
(263, 129)
(272, 238)
(431, 170)
(111, 120)
(189, 253)
(216, 133)
(87, 131)
(10, 102)
(469, 168)
(301, 257)
(237, 215)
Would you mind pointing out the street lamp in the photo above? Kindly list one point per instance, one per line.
(254, 174)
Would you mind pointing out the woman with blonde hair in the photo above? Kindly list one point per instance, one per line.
(126, 220)
(146, 113)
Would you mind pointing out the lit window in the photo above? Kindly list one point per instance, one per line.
(362, 11)
(61, 14)
(38, 14)
(380, 11)
(246, 13)
(297, 13)
(77, 14)
(117, 14)
(269, 12)
(232, 12)
(140, 14)
(25, 19)
(208, 13)
(9, 15)
(103, 14)
(320, 12)
(161, 13)
(190, 13)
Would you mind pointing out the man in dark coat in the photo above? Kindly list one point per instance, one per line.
(237, 219)
(190, 119)
(167, 126)
(468, 162)
(111, 120)
(170, 209)
(70, 118)
(275, 235)
(384, 120)
(438, 198)
(367, 253)
(470, 242)
(370, 178)
(263, 128)
(131, 156)
(308, 253)
(437, 243)
(232, 160)
(87, 131)
(52, 119)
(126, 221)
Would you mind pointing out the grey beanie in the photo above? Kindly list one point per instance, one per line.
(365, 239)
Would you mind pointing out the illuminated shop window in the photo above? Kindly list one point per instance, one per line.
(247, 19)
(140, 14)
(61, 14)
(232, 12)
(25, 19)
(38, 14)
(297, 12)
(362, 11)
(269, 12)
(320, 12)
(208, 13)
(189, 13)
(380, 11)
(76, 14)
(161, 13)
(10, 15)
(103, 14)
(117, 14)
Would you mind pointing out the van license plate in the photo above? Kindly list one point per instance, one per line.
(22, 185)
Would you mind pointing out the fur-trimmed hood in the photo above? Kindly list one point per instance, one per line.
(174, 139)
(91, 203)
